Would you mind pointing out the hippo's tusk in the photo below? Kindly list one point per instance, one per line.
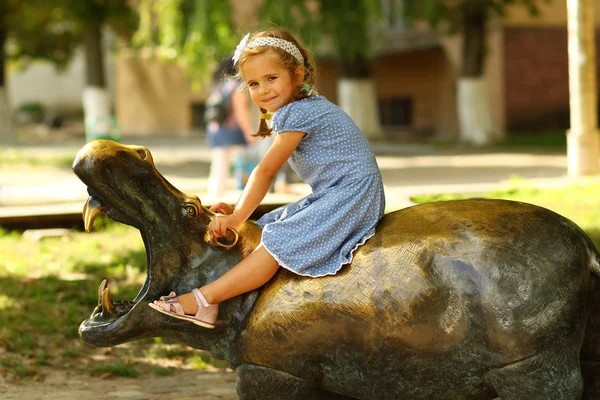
(101, 291)
(228, 246)
(91, 210)
(107, 304)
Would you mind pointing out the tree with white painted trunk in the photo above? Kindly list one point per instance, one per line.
(90, 19)
(470, 19)
(52, 30)
(583, 137)
(348, 29)
(26, 35)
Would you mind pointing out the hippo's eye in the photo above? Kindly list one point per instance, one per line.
(191, 211)
(142, 153)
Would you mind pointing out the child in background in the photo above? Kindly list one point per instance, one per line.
(229, 134)
(318, 234)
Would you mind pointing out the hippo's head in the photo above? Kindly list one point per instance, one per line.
(124, 184)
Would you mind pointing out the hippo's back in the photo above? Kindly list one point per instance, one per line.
(469, 282)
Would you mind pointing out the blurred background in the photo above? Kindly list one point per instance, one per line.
(398, 67)
(458, 98)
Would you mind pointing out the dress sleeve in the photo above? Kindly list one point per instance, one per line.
(295, 117)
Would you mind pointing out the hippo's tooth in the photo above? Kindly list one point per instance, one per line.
(91, 210)
(107, 304)
(101, 291)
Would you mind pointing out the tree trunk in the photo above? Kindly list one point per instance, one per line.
(474, 110)
(99, 123)
(582, 138)
(357, 96)
(6, 133)
(94, 57)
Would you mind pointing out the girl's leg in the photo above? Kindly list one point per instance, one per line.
(251, 273)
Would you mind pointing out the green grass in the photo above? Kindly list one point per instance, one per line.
(579, 202)
(118, 369)
(521, 141)
(49, 286)
(16, 368)
(113, 250)
(161, 371)
(548, 140)
(12, 157)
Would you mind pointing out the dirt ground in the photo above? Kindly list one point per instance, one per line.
(75, 384)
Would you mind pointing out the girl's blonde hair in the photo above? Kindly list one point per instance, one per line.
(287, 60)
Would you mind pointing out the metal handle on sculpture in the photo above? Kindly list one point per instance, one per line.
(228, 246)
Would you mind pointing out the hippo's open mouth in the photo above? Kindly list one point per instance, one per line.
(108, 313)
(124, 185)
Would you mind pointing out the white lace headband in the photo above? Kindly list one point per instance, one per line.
(285, 45)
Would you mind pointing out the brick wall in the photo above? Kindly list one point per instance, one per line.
(537, 78)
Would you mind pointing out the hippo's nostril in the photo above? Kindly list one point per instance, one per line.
(142, 154)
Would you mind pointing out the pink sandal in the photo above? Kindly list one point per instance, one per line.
(206, 316)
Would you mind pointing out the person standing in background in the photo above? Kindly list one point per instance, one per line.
(228, 126)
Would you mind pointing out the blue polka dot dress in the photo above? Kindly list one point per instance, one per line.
(316, 236)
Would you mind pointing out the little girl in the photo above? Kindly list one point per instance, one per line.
(316, 235)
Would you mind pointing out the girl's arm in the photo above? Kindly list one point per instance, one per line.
(241, 113)
(258, 184)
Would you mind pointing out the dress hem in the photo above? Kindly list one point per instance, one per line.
(356, 246)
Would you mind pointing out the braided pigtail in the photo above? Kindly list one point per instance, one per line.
(263, 129)
(307, 88)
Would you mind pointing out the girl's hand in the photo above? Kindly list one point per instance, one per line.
(222, 208)
(219, 224)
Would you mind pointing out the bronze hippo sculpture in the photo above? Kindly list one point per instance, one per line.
(470, 299)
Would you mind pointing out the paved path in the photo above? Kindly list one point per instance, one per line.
(407, 170)
(182, 385)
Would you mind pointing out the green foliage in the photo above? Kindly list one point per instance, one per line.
(194, 33)
(198, 33)
(53, 29)
(293, 15)
(348, 26)
(32, 107)
(450, 15)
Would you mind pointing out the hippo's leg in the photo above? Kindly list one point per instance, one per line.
(258, 383)
(590, 350)
(552, 375)
(261, 383)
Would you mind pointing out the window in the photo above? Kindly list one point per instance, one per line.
(396, 112)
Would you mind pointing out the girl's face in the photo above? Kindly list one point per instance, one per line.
(270, 84)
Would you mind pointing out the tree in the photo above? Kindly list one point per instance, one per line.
(348, 26)
(471, 19)
(88, 20)
(26, 35)
(52, 30)
(198, 33)
(195, 34)
(582, 138)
